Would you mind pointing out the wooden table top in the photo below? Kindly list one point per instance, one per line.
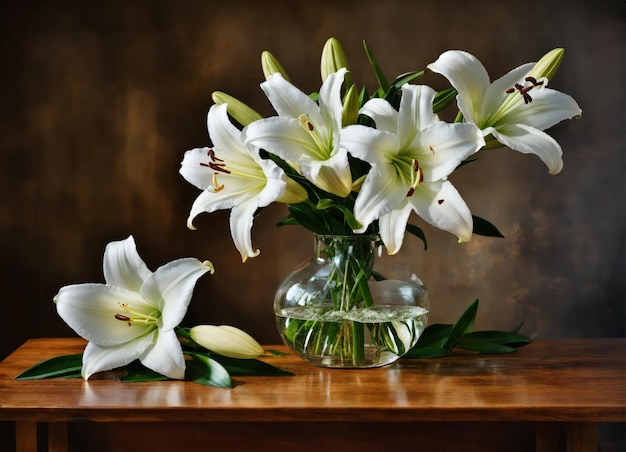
(574, 380)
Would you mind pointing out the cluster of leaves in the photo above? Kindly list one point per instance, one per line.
(439, 340)
(203, 367)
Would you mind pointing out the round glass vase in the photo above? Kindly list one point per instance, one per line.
(339, 309)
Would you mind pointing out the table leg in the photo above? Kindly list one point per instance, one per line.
(582, 436)
(26, 436)
(566, 436)
(57, 437)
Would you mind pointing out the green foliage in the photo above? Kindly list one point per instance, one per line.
(440, 340)
(204, 367)
(68, 366)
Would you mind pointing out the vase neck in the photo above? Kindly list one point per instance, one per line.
(346, 248)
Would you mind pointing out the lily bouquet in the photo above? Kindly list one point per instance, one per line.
(350, 163)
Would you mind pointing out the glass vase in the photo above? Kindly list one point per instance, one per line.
(340, 310)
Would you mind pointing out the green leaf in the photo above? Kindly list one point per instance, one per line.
(349, 217)
(380, 77)
(274, 352)
(67, 366)
(417, 232)
(483, 346)
(499, 337)
(462, 326)
(207, 371)
(137, 372)
(305, 217)
(249, 367)
(484, 227)
(324, 204)
(408, 77)
(443, 99)
(434, 335)
(428, 352)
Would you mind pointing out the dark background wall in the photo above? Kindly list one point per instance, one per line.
(99, 101)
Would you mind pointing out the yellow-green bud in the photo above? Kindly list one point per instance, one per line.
(294, 193)
(350, 114)
(333, 59)
(548, 64)
(227, 341)
(243, 114)
(271, 66)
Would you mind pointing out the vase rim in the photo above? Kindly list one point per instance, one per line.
(372, 236)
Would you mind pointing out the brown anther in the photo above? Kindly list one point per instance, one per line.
(440, 201)
(410, 192)
(431, 149)
(211, 154)
(123, 318)
(309, 124)
(534, 81)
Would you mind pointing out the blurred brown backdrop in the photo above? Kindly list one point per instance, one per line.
(101, 99)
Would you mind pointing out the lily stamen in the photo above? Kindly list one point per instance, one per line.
(524, 90)
(307, 125)
(417, 177)
(216, 186)
(136, 317)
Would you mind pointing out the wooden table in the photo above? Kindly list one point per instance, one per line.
(549, 395)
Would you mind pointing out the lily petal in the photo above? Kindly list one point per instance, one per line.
(370, 145)
(98, 358)
(441, 205)
(165, 356)
(241, 219)
(548, 107)
(281, 136)
(393, 225)
(444, 146)
(170, 288)
(383, 114)
(122, 265)
(416, 112)
(529, 140)
(332, 175)
(289, 101)
(382, 192)
(90, 310)
(468, 75)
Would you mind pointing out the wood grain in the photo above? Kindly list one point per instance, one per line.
(564, 380)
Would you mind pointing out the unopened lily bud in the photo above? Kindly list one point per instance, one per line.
(227, 341)
(242, 113)
(547, 66)
(350, 114)
(294, 193)
(271, 66)
(333, 59)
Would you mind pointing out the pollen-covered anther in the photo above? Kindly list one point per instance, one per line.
(216, 163)
(216, 187)
(523, 90)
(417, 177)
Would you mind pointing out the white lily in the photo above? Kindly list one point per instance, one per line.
(306, 132)
(411, 154)
(134, 314)
(233, 177)
(514, 109)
